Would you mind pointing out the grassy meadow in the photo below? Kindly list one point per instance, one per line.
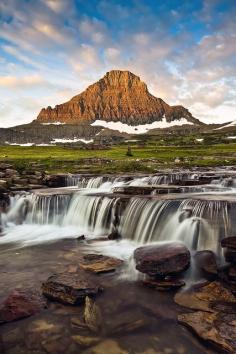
(146, 156)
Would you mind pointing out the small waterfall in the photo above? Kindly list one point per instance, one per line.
(48, 209)
(200, 224)
(95, 214)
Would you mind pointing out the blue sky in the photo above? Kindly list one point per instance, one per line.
(51, 50)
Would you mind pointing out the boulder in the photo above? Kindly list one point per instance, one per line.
(69, 288)
(163, 259)
(19, 304)
(97, 263)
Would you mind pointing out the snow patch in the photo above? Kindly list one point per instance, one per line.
(139, 129)
(231, 137)
(56, 123)
(16, 144)
(200, 140)
(75, 140)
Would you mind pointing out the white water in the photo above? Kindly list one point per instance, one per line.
(200, 224)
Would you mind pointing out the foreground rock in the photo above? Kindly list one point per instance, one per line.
(215, 320)
(20, 304)
(69, 288)
(98, 263)
(219, 329)
(162, 260)
(205, 297)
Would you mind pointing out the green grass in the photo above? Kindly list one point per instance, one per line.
(146, 158)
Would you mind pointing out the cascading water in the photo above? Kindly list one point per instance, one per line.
(94, 210)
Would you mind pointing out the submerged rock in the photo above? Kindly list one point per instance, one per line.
(107, 346)
(162, 260)
(69, 288)
(92, 315)
(219, 329)
(97, 263)
(20, 304)
(206, 262)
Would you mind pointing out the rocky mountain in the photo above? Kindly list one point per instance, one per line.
(120, 96)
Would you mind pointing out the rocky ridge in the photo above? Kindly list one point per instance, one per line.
(118, 96)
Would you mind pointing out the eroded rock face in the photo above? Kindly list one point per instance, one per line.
(20, 304)
(162, 260)
(118, 96)
(69, 288)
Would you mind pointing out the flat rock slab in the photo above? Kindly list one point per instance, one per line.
(204, 298)
(163, 259)
(219, 329)
(98, 263)
(21, 303)
(164, 285)
(69, 288)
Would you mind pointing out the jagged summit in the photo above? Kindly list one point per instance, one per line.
(120, 96)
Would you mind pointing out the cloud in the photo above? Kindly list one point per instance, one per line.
(21, 82)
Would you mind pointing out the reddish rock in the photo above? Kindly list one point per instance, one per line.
(69, 288)
(19, 304)
(118, 96)
(162, 260)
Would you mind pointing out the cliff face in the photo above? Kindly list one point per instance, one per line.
(118, 96)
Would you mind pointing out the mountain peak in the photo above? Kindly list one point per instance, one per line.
(120, 96)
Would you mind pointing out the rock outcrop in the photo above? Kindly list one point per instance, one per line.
(118, 96)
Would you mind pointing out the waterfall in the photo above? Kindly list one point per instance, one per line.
(200, 224)
(95, 214)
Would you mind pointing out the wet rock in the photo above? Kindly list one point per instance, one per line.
(164, 284)
(20, 304)
(219, 329)
(77, 322)
(98, 263)
(80, 238)
(230, 255)
(69, 288)
(107, 346)
(232, 272)
(59, 344)
(114, 235)
(206, 262)
(229, 242)
(203, 297)
(92, 315)
(58, 180)
(162, 260)
(133, 190)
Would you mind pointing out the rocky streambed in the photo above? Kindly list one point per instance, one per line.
(121, 266)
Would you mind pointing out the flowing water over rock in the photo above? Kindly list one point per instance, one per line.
(41, 235)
